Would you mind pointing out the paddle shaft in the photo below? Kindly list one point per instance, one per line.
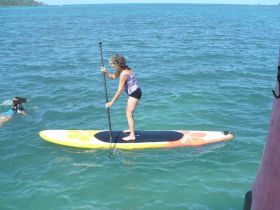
(106, 92)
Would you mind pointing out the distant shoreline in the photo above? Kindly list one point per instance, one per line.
(16, 3)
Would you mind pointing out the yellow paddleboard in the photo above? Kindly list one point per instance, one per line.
(99, 139)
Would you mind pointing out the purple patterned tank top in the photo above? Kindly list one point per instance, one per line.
(131, 83)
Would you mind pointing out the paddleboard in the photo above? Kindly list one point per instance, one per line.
(100, 139)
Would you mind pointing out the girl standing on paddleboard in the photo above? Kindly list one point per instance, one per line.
(127, 83)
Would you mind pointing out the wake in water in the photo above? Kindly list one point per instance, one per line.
(7, 102)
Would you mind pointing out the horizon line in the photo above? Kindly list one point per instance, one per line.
(248, 4)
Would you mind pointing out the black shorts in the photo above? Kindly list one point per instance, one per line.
(136, 94)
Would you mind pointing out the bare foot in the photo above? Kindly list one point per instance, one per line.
(129, 138)
(126, 131)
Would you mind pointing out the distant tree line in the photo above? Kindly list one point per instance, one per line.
(20, 3)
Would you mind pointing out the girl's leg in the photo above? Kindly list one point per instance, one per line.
(131, 106)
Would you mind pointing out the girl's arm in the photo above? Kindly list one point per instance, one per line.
(110, 75)
(118, 93)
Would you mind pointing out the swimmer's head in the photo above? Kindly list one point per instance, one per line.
(19, 100)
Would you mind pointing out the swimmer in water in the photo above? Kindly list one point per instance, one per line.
(17, 108)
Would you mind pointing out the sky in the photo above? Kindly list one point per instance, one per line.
(63, 2)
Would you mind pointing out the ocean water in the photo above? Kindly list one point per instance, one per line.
(201, 67)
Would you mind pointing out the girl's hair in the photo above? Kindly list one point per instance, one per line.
(118, 62)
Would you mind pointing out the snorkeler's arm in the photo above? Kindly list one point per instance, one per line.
(23, 112)
(120, 89)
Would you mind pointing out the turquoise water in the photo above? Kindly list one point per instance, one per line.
(201, 67)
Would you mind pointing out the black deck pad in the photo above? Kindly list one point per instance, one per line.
(141, 136)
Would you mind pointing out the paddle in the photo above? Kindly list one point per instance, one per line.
(106, 98)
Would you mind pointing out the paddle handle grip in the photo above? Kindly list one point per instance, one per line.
(104, 76)
(101, 54)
